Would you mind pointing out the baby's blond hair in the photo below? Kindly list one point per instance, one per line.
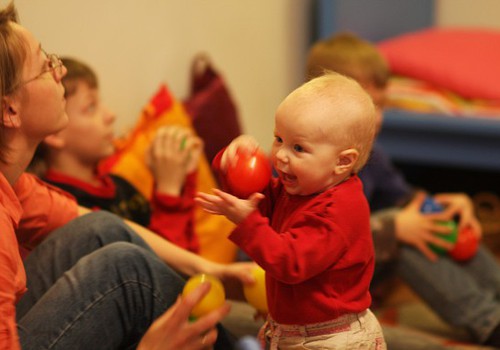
(352, 106)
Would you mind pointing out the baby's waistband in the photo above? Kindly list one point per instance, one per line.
(340, 324)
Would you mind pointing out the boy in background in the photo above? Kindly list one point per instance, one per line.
(463, 294)
(310, 231)
(71, 157)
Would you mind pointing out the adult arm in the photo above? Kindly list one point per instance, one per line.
(11, 284)
(189, 263)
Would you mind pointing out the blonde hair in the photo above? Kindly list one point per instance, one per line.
(349, 55)
(352, 106)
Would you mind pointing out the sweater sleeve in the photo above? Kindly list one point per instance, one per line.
(173, 217)
(291, 256)
(9, 285)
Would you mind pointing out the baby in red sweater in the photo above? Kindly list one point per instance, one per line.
(310, 230)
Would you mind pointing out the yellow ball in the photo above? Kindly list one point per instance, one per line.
(214, 299)
(256, 293)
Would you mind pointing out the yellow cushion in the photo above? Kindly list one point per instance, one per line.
(129, 163)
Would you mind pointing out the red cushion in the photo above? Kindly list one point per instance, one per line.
(463, 60)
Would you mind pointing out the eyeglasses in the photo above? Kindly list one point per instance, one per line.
(54, 65)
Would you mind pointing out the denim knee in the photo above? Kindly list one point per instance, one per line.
(130, 263)
(102, 220)
(114, 293)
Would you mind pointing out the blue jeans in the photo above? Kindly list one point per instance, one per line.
(463, 294)
(93, 284)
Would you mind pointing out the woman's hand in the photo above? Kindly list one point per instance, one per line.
(172, 155)
(173, 330)
(419, 230)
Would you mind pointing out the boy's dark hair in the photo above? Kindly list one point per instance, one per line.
(349, 55)
(77, 71)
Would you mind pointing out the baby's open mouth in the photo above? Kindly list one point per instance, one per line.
(287, 178)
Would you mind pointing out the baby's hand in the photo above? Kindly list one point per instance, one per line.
(222, 203)
(243, 143)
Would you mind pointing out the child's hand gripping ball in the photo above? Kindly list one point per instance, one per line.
(213, 300)
(250, 174)
(430, 206)
(255, 293)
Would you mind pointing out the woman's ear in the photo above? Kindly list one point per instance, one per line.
(55, 141)
(10, 113)
(346, 161)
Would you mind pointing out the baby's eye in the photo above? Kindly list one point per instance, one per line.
(278, 139)
(298, 148)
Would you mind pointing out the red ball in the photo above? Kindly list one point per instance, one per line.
(250, 174)
(466, 245)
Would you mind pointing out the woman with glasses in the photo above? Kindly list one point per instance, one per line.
(93, 283)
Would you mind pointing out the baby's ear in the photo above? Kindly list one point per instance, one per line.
(346, 161)
(54, 141)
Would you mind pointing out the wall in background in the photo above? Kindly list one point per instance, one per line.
(482, 13)
(258, 45)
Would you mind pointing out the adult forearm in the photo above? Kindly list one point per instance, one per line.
(178, 258)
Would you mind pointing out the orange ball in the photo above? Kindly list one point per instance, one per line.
(256, 293)
(214, 299)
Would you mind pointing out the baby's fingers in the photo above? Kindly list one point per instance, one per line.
(209, 202)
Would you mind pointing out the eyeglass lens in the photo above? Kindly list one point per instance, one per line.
(55, 63)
